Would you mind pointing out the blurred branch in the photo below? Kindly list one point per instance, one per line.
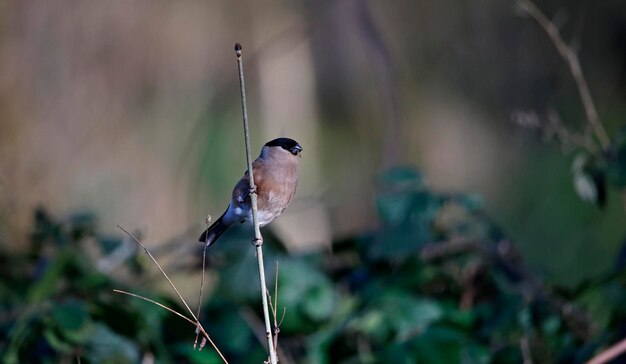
(525, 349)
(571, 58)
(609, 354)
(434, 251)
(387, 84)
(553, 128)
(258, 238)
(568, 53)
(505, 256)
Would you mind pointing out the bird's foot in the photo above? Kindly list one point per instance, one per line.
(257, 242)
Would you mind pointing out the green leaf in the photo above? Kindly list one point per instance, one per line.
(70, 315)
(306, 293)
(475, 354)
(106, 346)
(320, 302)
(615, 159)
(194, 356)
(56, 342)
(397, 314)
(47, 284)
(439, 345)
(402, 177)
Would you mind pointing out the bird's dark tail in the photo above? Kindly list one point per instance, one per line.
(210, 235)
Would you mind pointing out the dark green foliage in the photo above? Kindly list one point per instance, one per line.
(438, 282)
(616, 161)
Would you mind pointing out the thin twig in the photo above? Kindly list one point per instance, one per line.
(196, 323)
(162, 271)
(204, 333)
(274, 308)
(569, 55)
(206, 243)
(258, 238)
(158, 304)
(255, 325)
(276, 328)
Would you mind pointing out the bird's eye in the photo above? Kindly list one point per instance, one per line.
(295, 150)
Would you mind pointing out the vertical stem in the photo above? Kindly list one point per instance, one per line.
(258, 239)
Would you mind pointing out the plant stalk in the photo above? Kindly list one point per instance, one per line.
(258, 238)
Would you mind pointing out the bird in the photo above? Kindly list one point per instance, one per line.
(276, 178)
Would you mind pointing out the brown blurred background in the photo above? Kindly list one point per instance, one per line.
(131, 109)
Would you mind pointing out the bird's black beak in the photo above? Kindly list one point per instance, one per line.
(296, 150)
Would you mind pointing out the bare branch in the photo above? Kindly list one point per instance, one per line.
(609, 354)
(158, 304)
(571, 58)
(195, 323)
(161, 269)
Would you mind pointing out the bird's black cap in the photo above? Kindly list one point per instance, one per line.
(285, 143)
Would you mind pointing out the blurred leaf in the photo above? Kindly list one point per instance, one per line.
(475, 354)
(401, 177)
(108, 243)
(56, 342)
(396, 353)
(598, 305)
(72, 320)
(47, 229)
(551, 325)
(105, 346)
(616, 161)
(70, 315)
(397, 314)
(462, 318)
(82, 223)
(319, 303)
(472, 202)
(194, 356)
(306, 293)
(401, 190)
(399, 243)
(47, 284)
(233, 327)
(439, 345)
(407, 212)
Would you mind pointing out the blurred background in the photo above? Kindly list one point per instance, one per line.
(129, 113)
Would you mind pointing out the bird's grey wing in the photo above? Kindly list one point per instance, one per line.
(241, 192)
(240, 202)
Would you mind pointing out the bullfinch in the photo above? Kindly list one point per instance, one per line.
(275, 175)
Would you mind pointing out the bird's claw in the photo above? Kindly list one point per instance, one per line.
(257, 242)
